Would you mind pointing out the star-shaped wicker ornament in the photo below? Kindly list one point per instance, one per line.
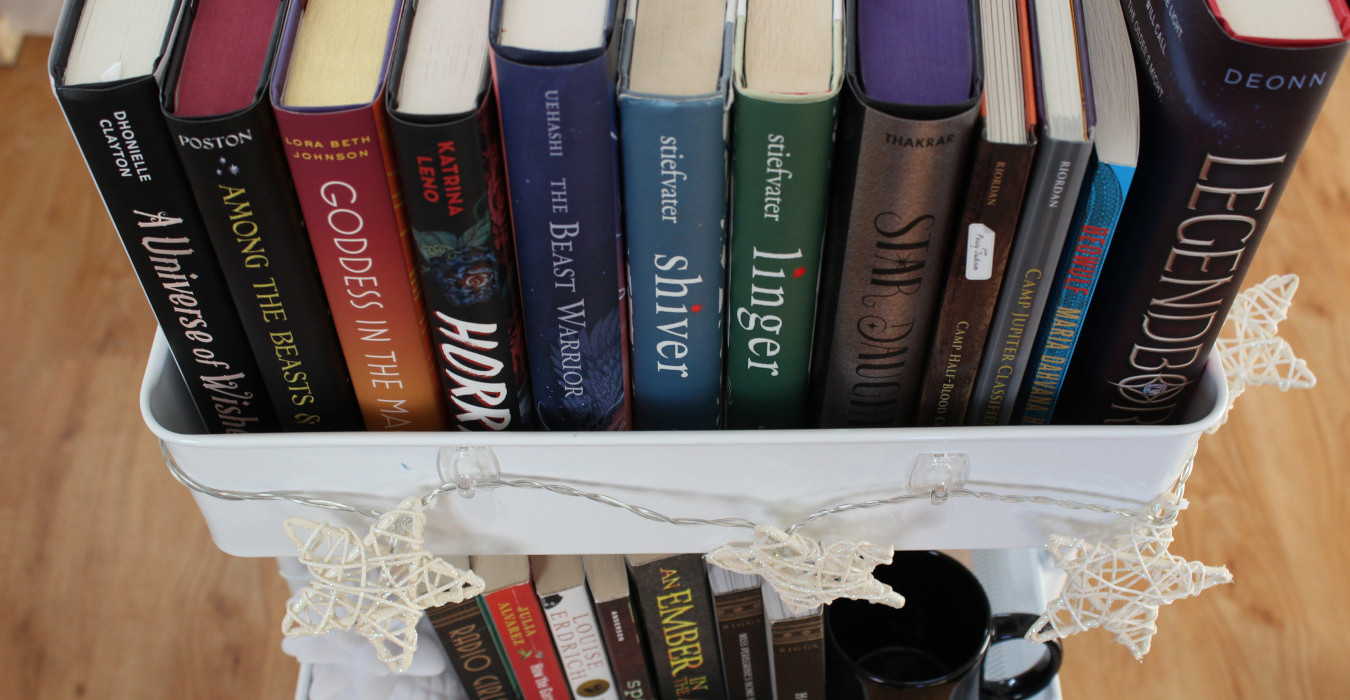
(1119, 582)
(1254, 355)
(378, 586)
(807, 574)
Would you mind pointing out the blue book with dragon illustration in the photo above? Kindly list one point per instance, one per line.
(559, 135)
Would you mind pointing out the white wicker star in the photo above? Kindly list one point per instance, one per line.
(1118, 583)
(1254, 355)
(378, 586)
(807, 574)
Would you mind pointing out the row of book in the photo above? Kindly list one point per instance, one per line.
(507, 214)
(665, 626)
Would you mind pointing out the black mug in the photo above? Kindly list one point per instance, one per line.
(934, 647)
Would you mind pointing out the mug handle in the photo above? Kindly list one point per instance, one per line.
(1009, 626)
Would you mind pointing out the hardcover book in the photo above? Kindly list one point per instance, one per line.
(473, 649)
(788, 67)
(447, 144)
(797, 649)
(1225, 109)
(1064, 103)
(1115, 90)
(677, 614)
(510, 602)
(555, 91)
(673, 95)
(607, 579)
(560, 581)
(107, 60)
(1005, 145)
(326, 92)
(739, 608)
(905, 132)
(215, 103)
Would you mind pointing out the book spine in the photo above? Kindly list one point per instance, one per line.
(980, 247)
(130, 154)
(238, 174)
(518, 620)
(799, 658)
(581, 648)
(1222, 122)
(1090, 234)
(623, 641)
(558, 126)
(354, 214)
(677, 615)
(454, 186)
(473, 651)
(744, 643)
(1056, 179)
(674, 166)
(780, 165)
(898, 191)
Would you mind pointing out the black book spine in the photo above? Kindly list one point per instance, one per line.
(677, 613)
(1222, 123)
(454, 186)
(127, 146)
(472, 647)
(237, 171)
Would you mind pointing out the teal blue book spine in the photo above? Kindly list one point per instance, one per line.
(675, 199)
(1094, 224)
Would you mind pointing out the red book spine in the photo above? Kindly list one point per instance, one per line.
(523, 631)
(344, 177)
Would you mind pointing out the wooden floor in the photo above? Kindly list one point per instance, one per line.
(113, 589)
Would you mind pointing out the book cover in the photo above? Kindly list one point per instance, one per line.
(227, 140)
(1064, 101)
(899, 173)
(559, 136)
(117, 124)
(454, 187)
(560, 582)
(342, 166)
(797, 649)
(1005, 146)
(607, 579)
(677, 613)
(674, 156)
(1222, 122)
(782, 143)
(473, 649)
(744, 639)
(510, 602)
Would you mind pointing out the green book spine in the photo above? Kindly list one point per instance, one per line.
(780, 173)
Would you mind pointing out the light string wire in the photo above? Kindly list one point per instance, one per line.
(467, 486)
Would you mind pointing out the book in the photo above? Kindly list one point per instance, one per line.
(1115, 152)
(1005, 146)
(797, 649)
(447, 144)
(674, 82)
(215, 104)
(1225, 109)
(1064, 103)
(788, 68)
(555, 91)
(510, 602)
(906, 126)
(473, 649)
(327, 91)
(107, 59)
(676, 609)
(739, 609)
(560, 582)
(607, 579)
